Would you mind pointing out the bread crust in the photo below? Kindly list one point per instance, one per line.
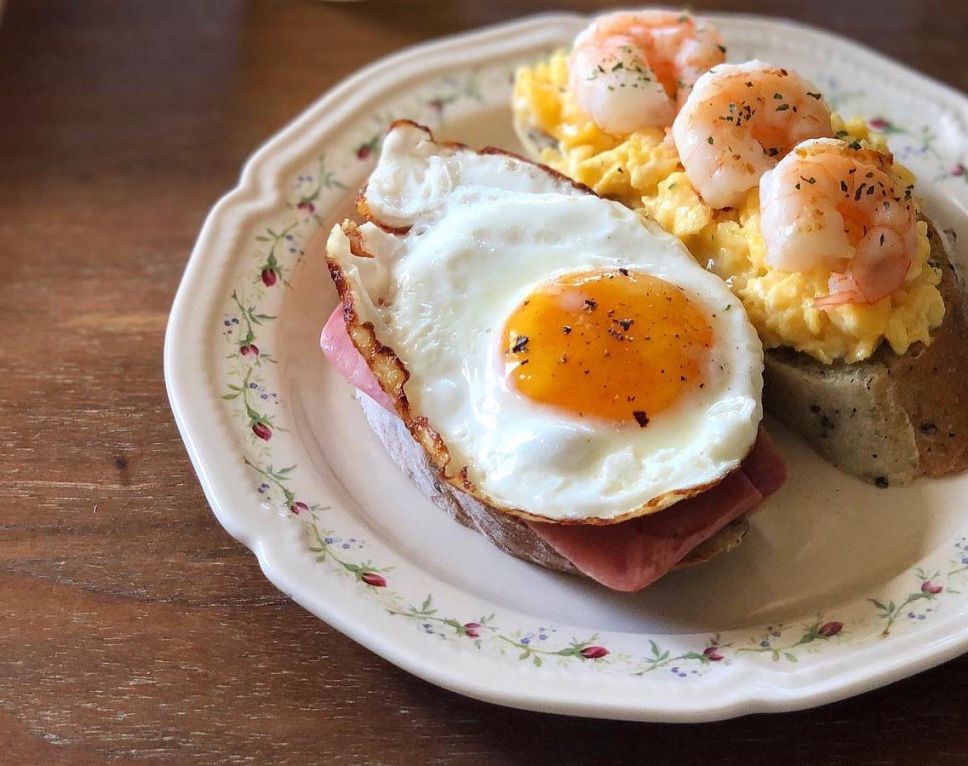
(512, 535)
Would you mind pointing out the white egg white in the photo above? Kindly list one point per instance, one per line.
(483, 231)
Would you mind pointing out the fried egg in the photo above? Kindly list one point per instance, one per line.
(559, 356)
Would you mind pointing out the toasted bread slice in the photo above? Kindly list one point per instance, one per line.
(512, 535)
(890, 418)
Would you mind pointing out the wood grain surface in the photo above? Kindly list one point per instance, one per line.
(133, 628)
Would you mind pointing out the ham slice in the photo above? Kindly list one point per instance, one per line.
(339, 349)
(632, 554)
(764, 466)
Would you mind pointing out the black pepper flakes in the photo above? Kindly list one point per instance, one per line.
(641, 418)
(520, 344)
(566, 329)
(881, 482)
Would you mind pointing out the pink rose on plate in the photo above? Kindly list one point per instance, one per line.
(712, 654)
(594, 652)
(269, 276)
(931, 588)
(374, 580)
(472, 629)
(830, 629)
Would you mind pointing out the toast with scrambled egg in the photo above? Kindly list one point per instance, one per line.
(891, 417)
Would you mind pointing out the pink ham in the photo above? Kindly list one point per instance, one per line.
(633, 554)
(764, 466)
(630, 555)
(339, 349)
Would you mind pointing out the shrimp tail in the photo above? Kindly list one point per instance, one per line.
(874, 284)
(841, 289)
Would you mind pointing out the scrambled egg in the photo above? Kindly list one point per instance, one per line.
(643, 171)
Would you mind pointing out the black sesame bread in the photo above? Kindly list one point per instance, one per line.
(890, 418)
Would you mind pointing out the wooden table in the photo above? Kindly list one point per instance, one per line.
(133, 627)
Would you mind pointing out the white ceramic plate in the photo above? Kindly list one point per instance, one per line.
(838, 588)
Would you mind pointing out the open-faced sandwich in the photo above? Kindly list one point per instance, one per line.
(550, 367)
(808, 218)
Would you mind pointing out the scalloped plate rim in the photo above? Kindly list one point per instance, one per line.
(247, 198)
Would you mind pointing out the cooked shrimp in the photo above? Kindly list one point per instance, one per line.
(839, 207)
(633, 70)
(737, 123)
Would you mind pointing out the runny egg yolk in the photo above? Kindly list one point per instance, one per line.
(618, 345)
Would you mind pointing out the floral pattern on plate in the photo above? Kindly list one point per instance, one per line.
(345, 573)
(276, 253)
